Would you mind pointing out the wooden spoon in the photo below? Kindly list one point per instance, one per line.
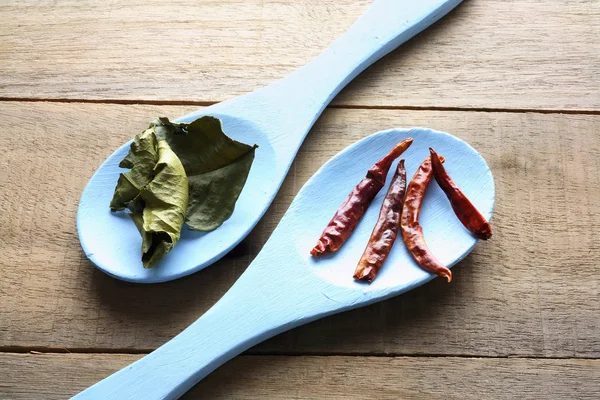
(277, 118)
(285, 287)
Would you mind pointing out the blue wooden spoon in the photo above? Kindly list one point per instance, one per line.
(277, 118)
(285, 287)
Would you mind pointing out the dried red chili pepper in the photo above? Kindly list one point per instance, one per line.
(350, 212)
(466, 212)
(385, 231)
(409, 222)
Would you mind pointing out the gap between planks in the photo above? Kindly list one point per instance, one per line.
(60, 350)
(348, 107)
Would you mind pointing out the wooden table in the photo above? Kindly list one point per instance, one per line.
(519, 80)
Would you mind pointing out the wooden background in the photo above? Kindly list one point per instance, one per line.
(519, 80)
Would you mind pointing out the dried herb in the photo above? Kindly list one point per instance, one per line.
(216, 167)
(141, 159)
(155, 191)
(179, 172)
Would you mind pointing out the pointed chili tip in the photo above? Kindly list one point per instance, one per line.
(447, 274)
(402, 146)
(485, 232)
(433, 153)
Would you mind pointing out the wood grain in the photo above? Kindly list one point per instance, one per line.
(530, 291)
(280, 377)
(533, 54)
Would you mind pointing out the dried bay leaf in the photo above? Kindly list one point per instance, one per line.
(213, 194)
(164, 202)
(141, 159)
(190, 173)
(216, 166)
(155, 191)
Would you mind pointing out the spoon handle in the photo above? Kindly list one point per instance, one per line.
(262, 303)
(383, 27)
(288, 108)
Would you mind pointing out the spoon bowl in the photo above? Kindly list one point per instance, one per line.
(445, 235)
(112, 242)
(285, 287)
(277, 118)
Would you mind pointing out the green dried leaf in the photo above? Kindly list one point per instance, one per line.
(142, 157)
(216, 166)
(156, 193)
(180, 172)
(164, 201)
(213, 194)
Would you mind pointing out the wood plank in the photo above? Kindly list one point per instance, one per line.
(533, 54)
(58, 376)
(530, 291)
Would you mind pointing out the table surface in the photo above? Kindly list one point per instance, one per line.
(519, 80)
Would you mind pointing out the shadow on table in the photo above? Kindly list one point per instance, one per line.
(143, 317)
